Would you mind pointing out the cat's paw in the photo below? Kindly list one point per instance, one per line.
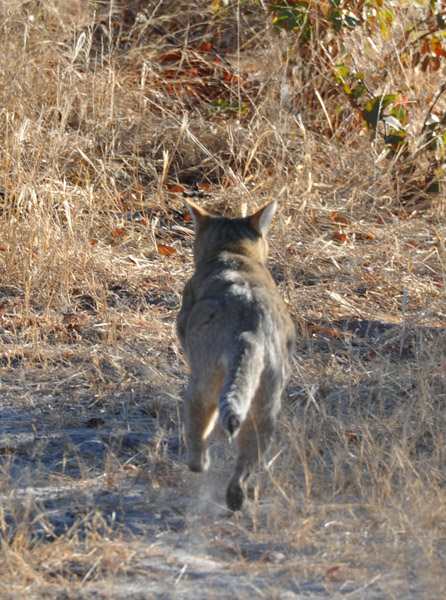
(198, 463)
(235, 497)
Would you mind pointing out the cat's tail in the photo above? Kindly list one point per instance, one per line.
(240, 383)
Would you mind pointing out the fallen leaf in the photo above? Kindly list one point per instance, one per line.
(165, 250)
(339, 218)
(351, 436)
(338, 236)
(118, 232)
(176, 189)
(331, 332)
(332, 573)
(333, 569)
(172, 56)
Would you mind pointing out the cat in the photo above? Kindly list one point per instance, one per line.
(238, 338)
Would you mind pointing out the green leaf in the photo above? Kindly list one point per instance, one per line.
(358, 91)
(396, 137)
(336, 18)
(400, 113)
(374, 107)
(440, 19)
(293, 18)
(351, 21)
(341, 73)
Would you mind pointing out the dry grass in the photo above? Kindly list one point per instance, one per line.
(104, 107)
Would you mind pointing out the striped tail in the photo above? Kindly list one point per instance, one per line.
(240, 383)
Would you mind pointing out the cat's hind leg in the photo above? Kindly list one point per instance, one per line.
(200, 416)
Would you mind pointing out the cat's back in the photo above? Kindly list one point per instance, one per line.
(233, 276)
(241, 294)
(232, 290)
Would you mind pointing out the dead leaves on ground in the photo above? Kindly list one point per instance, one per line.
(348, 232)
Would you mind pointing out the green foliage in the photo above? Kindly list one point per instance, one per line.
(427, 40)
(293, 18)
(221, 106)
(308, 19)
(435, 134)
(373, 110)
(323, 25)
(352, 82)
(378, 13)
(318, 32)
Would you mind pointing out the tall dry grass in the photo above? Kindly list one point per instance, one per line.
(105, 108)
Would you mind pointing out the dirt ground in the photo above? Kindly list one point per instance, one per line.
(97, 502)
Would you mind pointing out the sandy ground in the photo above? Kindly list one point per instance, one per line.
(143, 526)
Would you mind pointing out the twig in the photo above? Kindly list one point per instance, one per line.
(429, 112)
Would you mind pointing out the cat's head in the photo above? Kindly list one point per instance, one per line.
(243, 235)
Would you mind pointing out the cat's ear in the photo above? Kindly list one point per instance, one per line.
(199, 215)
(261, 220)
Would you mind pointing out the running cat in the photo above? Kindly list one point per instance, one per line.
(238, 338)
